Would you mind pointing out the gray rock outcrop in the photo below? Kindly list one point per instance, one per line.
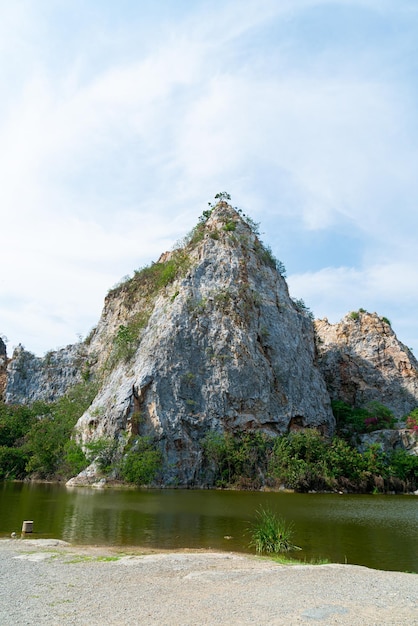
(47, 378)
(3, 367)
(208, 340)
(390, 440)
(223, 348)
(362, 360)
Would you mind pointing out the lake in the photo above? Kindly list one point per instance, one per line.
(373, 530)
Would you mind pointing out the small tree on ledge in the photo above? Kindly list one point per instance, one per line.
(223, 196)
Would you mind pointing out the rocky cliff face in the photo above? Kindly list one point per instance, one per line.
(208, 339)
(31, 378)
(362, 360)
(3, 368)
(390, 440)
(218, 346)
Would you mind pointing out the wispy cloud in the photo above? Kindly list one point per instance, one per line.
(109, 152)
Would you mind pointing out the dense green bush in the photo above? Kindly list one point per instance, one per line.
(39, 436)
(45, 444)
(347, 418)
(304, 461)
(16, 421)
(299, 460)
(379, 417)
(404, 466)
(103, 451)
(239, 459)
(13, 462)
(357, 420)
(74, 459)
(343, 460)
(142, 463)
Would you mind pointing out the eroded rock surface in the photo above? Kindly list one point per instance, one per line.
(224, 348)
(390, 440)
(209, 340)
(47, 378)
(362, 360)
(3, 367)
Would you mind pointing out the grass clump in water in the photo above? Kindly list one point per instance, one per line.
(270, 534)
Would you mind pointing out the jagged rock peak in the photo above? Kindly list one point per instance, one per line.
(130, 303)
(362, 360)
(206, 339)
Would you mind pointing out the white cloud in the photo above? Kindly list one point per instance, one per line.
(385, 289)
(103, 167)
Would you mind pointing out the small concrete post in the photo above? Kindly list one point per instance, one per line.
(27, 526)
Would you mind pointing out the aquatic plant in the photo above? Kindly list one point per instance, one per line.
(271, 534)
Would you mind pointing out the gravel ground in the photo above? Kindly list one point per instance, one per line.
(50, 582)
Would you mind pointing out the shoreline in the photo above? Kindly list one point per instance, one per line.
(50, 581)
(22, 543)
(103, 483)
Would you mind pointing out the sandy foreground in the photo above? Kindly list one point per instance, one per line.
(51, 582)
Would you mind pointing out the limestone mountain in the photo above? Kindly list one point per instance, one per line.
(207, 340)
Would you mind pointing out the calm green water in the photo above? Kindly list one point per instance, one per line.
(376, 531)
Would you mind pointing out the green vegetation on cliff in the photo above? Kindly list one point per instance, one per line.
(37, 441)
(353, 420)
(141, 290)
(211, 308)
(306, 461)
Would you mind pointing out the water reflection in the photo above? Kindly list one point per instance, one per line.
(377, 531)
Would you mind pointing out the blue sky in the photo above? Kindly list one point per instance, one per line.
(119, 121)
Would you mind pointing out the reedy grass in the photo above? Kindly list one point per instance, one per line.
(271, 534)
